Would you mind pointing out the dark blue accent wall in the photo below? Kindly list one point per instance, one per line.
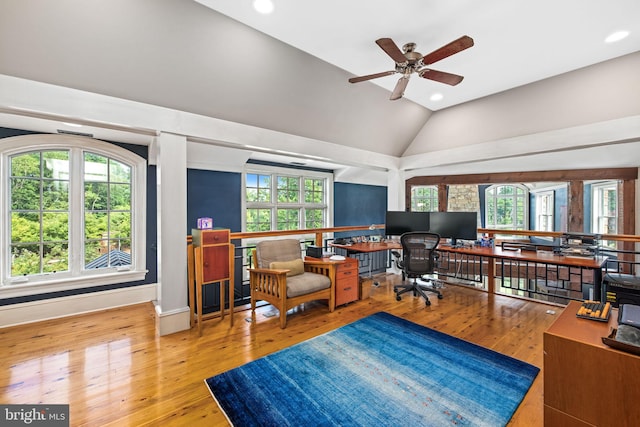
(358, 204)
(216, 195)
(151, 241)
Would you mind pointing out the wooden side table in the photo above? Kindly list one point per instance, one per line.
(213, 262)
(587, 383)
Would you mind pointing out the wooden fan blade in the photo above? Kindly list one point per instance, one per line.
(441, 76)
(455, 46)
(370, 76)
(398, 91)
(392, 50)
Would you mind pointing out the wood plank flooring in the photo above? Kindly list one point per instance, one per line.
(113, 369)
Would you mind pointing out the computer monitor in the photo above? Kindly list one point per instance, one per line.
(399, 222)
(454, 225)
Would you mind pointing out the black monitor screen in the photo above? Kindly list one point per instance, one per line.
(454, 225)
(399, 222)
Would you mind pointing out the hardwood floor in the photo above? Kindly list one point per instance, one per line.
(113, 369)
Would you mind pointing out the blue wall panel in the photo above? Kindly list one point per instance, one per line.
(215, 195)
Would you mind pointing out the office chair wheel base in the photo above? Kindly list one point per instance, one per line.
(440, 296)
(427, 303)
(398, 298)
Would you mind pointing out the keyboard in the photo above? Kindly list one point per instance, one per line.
(595, 310)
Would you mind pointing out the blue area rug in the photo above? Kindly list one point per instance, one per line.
(378, 371)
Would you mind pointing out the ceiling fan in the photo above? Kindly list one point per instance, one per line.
(408, 61)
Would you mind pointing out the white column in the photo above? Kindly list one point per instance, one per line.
(395, 190)
(171, 307)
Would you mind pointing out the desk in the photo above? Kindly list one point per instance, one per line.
(587, 383)
(593, 264)
(368, 248)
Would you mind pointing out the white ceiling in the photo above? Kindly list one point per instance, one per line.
(516, 42)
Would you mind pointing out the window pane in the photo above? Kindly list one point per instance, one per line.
(55, 195)
(55, 257)
(26, 165)
(288, 219)
(288, 189)
(55, 164)
(55, 226)
(25, 194)
(96, 196)
(313, 190)
(119, 225)
(95, 167)
(25, 260)
(119, 172)
(258, 219)
(120, 197)
(314, 218)
(95, 225)
(258, 188)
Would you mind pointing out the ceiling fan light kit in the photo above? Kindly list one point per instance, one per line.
(408, 61)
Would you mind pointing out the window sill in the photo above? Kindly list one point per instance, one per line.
(12, 290)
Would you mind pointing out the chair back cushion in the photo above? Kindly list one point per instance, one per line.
(269, 251)
(419, 252)
(295, 266)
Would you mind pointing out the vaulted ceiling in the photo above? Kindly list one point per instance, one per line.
(539, 80)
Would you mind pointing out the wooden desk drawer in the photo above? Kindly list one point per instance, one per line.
(349, 264)
(210, 237)
(346, 289)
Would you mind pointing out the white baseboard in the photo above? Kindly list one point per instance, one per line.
(172, 321)
(35, 311)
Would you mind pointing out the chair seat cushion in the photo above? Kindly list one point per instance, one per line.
(306, 283)
(295, 266)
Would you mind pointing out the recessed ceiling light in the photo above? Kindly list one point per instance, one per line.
(617, 36)
(436, 97)
(75, 125)
(263, 6)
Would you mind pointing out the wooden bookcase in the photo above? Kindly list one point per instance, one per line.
(212, 263)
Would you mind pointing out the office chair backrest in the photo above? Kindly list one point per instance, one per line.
(419, 252)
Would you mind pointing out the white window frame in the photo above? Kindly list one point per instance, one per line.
(77, 277)
(597, 209)
(274, 172)
(545, 199)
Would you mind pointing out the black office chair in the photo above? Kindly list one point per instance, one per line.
(419, 257)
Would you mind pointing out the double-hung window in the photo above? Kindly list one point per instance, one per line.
(544, 211)
(73, 214)
(604, 209)
(286, 200)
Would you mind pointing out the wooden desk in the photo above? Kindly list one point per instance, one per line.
(587, 383)
(593, 264)
(368, 248)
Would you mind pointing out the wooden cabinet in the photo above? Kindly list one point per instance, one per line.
(212, 264)
(347, 281)
(587, 383)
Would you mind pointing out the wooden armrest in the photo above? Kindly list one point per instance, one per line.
(269, 270)
(319, 262)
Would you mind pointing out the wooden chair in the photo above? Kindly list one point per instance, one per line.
(282, 278)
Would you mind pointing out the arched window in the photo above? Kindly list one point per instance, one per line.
(73, 214)
(506, 207)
